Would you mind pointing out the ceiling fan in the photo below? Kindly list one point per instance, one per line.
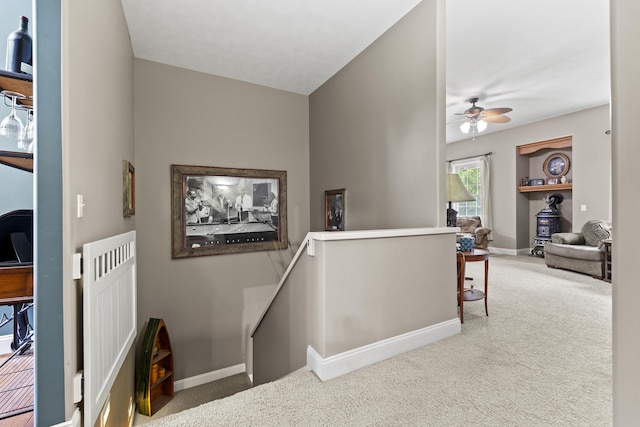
(478, 117)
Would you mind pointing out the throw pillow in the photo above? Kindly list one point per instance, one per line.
(468, 224)
(595, 231)
(567, 238)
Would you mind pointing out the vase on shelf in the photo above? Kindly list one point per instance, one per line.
(19, 49)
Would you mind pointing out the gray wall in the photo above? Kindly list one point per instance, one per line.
(97, 135)
(360, 305)
(189, 118)
(626, 323)
(590, 171)
(625, 92)
(339, 299)
(374, 130)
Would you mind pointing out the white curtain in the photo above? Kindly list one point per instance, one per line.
(485, 171)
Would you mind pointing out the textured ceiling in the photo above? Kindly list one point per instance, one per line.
(293, 45)
(542, 58)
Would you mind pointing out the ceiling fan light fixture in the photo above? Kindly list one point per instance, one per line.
(477, 118)
(473, 126)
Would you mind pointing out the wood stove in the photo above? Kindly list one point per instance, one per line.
(548, 221)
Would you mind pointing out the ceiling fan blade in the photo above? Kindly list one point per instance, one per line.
(498, 118)
(494, 111)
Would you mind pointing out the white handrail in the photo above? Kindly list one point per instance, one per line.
(302, 248)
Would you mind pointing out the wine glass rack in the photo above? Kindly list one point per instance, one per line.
(21, 83)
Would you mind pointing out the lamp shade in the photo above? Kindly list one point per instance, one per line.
(456, 191)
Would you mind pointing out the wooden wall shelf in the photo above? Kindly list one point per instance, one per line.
(18, 82)
(17, 159)
(551, 187)
(556, 143)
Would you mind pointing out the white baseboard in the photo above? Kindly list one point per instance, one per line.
(503, 251)
(349, 361)
(512, 252)
(209, 377)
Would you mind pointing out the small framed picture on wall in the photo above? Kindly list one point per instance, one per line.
(334, 210)
(128, 189)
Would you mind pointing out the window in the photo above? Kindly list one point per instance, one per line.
(471, 175)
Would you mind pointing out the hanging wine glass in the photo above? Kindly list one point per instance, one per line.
(26, 136)
(11, 126)
(31, 131)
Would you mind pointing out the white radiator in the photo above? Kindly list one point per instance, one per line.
(109, 315)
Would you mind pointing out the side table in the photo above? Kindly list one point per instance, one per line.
(607, 260)
(472, 294)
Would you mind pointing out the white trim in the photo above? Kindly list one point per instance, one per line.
(209, 377)
(378, 234)
(349, 361)
(512, 252)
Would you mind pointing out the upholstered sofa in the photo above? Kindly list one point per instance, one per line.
(473, 225)
(582, 252)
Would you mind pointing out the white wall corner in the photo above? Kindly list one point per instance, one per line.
(349, 361)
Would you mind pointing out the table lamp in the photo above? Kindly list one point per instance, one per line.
(456, 192)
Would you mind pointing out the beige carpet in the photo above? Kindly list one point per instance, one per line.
(542, 358)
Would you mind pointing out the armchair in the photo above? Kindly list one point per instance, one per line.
(582, 252)
(473, 225)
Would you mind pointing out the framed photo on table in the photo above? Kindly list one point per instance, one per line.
(218, 210)
(334, 210)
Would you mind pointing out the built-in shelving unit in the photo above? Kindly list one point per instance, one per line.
(531, 150)
(531, 167)
(154, 371)
(21, 83)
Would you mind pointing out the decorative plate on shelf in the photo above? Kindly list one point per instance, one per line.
(556, 165)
